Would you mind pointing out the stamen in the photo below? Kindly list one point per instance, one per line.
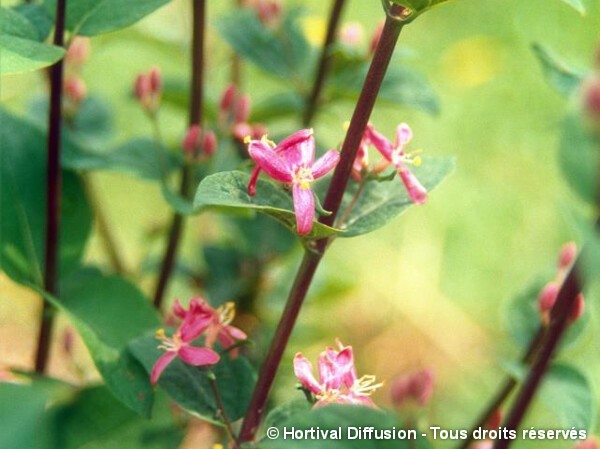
(364, 385)
(226, 313)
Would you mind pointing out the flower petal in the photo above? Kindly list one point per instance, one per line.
(304, 372)
(271, 162)
(253, 180)
(307, 151)
(325, 163)
(178, 309)
(198, 356)
(403, 134)
(304, 208)
(380, 142)
(294, 139)
(416, 191)
(160, 366)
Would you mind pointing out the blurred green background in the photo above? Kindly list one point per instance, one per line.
(429, 289)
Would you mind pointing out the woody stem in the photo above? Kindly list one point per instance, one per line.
(312, 258)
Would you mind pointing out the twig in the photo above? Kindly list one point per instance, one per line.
(53, 194)
(221, 411)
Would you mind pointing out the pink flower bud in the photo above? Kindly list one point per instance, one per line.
(547, 298)
(78, 52)
(416, 386)
(228, 98)
(591, 97)
(268, 11)
(590, 443)
(376, 36)
(241, 130)
(495, 420)
(567, 255)
(75, 89)
(242, 109)
(142, 87)
(210, 144)
(191, 140)
(155, 80)
(351, 34)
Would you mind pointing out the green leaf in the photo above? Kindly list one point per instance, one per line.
(564, 78)
(227, 191)
(22, 191)
(39, 18)
(96, 420)
(125, 315)
(401, 86)
(417, 7)
(569, 395)
(381, 201)
(344, 418)
(24, 422)
(577, 5)
(190, 386)
(579, 158)
(19, 45)
(283, 52)
(279, 415)
(522, 318)
(91, 17)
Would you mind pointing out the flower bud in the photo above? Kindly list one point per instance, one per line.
(75, 89)
(417, 387)
(567, 255)
(351, 34)
(191, 140)
(228, 98)
(591, 97)
(547, 299)
(78, 52)
(268, 11)
(242, 109)
(148, 89)
(155, 81)
(495, 420)
(209, 146)
(590, 443)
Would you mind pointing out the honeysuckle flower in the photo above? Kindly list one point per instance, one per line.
(338, 382)
(417, 387)
(196, 320)
(395, 154)
(293, 162)
(78, 52)
(221, 330)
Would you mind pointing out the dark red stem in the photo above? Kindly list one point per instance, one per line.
(53, 193)
(559, 321)
(324, 63)
(311, 259)
(195, 118)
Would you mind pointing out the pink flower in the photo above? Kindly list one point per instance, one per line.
(338, 382)
(293, 162)
(416, 386)
(395, 154)
(200, 318)
(179, 345)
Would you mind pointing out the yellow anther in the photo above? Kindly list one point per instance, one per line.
(247, 140)
(226, 312)
(417, 161)
(160, 334)
(217, 446)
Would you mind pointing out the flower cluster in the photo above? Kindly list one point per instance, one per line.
(75, 87)
(338, 382)
(293, 162)
(395, 154)
(234, 115)
(197, 320)
(198, 143)
(549, 294)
